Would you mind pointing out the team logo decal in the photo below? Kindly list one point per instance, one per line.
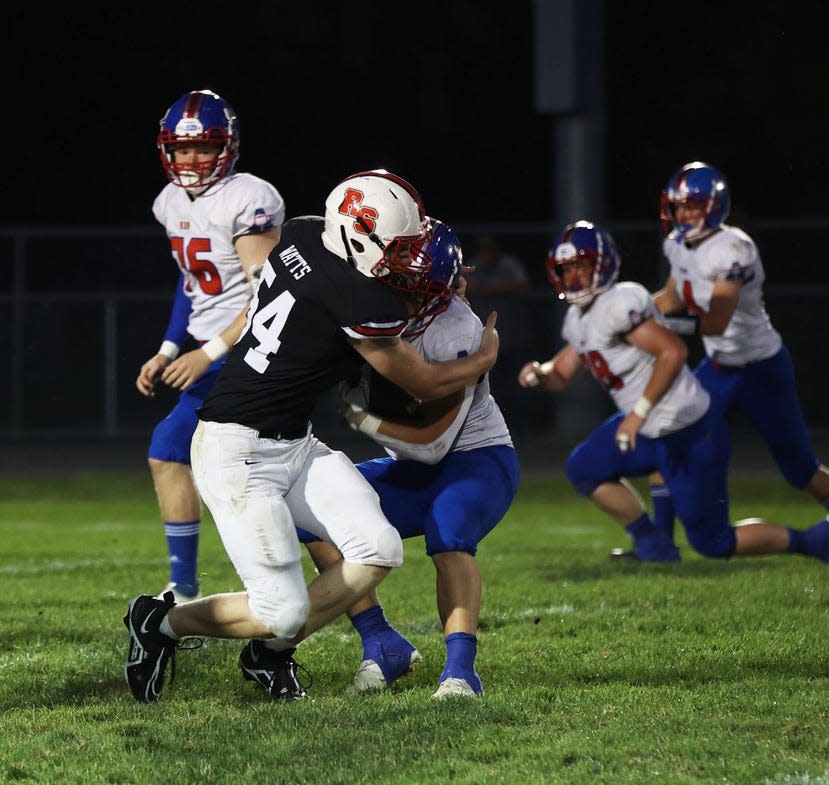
(566, 251)
(637, 317)
(352, 205)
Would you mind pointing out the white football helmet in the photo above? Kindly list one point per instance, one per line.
(370, 217)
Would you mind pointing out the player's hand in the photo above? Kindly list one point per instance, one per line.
(626, 432)
(354, 407)
(353, 395)
(149, 373)
(530, 374)
(490, 341)
(186, 369)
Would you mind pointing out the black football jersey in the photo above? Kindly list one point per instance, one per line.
(294, 346)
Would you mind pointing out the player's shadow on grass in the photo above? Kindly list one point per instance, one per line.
(28, 682)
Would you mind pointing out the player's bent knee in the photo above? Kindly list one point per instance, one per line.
(715, 545)
(280, 605)
(383, 548)
(390, 548)
(578, 472)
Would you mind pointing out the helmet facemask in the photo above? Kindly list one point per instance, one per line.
(436, 286)
(195, 176)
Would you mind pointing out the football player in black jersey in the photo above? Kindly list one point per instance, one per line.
(326, 302)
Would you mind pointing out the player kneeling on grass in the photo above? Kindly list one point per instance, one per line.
(323, 307)
(666, 422)
(450, 476)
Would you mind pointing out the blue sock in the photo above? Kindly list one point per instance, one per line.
(641, 528)
(663, 509)
(371, 621)
(383, 644)
(183, 546)
(650, 543)
(796, 544)
(461, 649)
(813, 541)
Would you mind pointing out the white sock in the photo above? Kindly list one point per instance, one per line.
(165, 629)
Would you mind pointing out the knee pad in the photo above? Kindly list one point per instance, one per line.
(578, 471)
(280, 601)
(172, 436)
(719, 544)
(390, 548)
(382, 548)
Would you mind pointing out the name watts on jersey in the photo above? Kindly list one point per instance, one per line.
(294, 262)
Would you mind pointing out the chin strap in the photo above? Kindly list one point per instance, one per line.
(349, 257)
(371, 235)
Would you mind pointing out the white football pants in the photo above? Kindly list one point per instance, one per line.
(257, 488)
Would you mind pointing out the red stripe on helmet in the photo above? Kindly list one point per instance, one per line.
(193, 105)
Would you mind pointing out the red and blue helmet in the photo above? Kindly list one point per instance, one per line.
(199, 116)
(578, 241)
(702, 185)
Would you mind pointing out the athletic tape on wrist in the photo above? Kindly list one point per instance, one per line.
(215, 348)
(169, 349)
(642, 407)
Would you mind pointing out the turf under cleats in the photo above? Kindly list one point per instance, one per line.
(467, 685)
(149, 650)
(276, 671)
(387, 657)
(182, 593)
(669, 554)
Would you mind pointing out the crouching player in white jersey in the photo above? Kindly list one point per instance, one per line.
(221, 227)
(716, 279)
(665, 423)
(451, 476)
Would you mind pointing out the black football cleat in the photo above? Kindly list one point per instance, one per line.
(149, 650)
(276, 671)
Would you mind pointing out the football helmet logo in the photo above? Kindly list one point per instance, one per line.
(365, 218)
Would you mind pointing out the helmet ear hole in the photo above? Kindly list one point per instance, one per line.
(358, 246)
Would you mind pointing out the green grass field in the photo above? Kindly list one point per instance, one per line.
(595, 671)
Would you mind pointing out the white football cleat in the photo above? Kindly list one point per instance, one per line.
(180, 597)
(454, 688)
(370, 676)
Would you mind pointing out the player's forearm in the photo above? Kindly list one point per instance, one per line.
(445, 378)
(221, 344)
(175, 335)
(667, 367)
(419, 431)
(668, 300)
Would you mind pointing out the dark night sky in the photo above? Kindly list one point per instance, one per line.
(441, 92)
